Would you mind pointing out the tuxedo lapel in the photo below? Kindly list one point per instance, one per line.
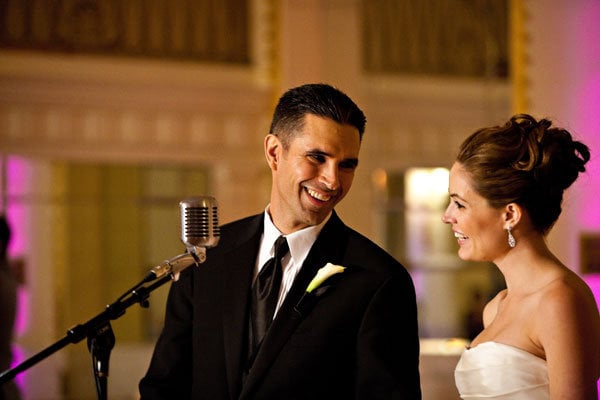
(328, 247)
(239, 261)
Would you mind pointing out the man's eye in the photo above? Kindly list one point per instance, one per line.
(351, 165)
(317, 157)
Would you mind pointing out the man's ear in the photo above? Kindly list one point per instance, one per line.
(512, 214)
(272, 150)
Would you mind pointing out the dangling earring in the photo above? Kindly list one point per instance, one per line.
(511, 239)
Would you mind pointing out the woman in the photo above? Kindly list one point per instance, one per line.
(541, 336)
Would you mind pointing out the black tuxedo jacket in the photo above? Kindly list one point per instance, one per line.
(355, 338)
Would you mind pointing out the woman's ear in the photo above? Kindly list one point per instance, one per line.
(272, 150)
(512, 214)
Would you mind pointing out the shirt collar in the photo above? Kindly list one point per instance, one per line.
(299, 242)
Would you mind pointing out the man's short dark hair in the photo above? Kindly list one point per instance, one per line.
(319, 99)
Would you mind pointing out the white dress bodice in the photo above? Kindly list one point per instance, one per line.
(494, 370)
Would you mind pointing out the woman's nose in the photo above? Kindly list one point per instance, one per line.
(447, 217)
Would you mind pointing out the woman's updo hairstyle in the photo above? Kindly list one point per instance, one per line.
(527, 162)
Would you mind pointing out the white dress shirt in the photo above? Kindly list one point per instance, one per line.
(299, 243)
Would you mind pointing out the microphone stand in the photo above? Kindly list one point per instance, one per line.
(100, 343)
(100, 337)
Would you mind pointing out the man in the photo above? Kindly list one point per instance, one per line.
(354, 337)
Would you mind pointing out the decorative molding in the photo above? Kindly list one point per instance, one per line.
(93, 108)
(449, 38)
(198, 30)
(421, 121)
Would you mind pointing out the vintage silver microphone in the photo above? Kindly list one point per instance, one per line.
(199, 231)
(199, 223)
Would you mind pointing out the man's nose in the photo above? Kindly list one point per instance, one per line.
(330, 176)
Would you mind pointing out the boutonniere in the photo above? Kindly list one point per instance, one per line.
(315, 288)
(323, 274)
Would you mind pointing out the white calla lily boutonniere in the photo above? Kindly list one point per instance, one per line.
(323, 274)
(315, 288)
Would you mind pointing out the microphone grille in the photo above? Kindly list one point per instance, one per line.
(200, 222)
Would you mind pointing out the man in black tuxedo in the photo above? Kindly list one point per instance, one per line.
(353, 337)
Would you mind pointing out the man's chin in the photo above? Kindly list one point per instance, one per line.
(316, 216)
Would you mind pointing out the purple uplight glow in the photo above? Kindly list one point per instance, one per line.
(589, 127)
(17, 170)
(593, 281)
(586, 107)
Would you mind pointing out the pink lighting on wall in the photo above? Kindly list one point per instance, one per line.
(589, 129)
(16, 172)
(586, 107)
(593, 281)
(16, 214)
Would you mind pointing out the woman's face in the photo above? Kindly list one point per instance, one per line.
(478, 228)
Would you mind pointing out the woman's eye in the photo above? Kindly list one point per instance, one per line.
(458, 205)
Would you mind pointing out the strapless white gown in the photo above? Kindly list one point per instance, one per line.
(494, 370)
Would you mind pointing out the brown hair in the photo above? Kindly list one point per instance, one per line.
(527, 162)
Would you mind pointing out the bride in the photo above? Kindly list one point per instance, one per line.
(541, 336)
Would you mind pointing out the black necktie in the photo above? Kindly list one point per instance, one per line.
(265, 293)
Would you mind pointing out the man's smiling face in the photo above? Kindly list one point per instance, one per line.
(313, 174)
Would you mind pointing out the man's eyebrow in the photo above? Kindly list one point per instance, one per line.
(353, 162)
(317, 151)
